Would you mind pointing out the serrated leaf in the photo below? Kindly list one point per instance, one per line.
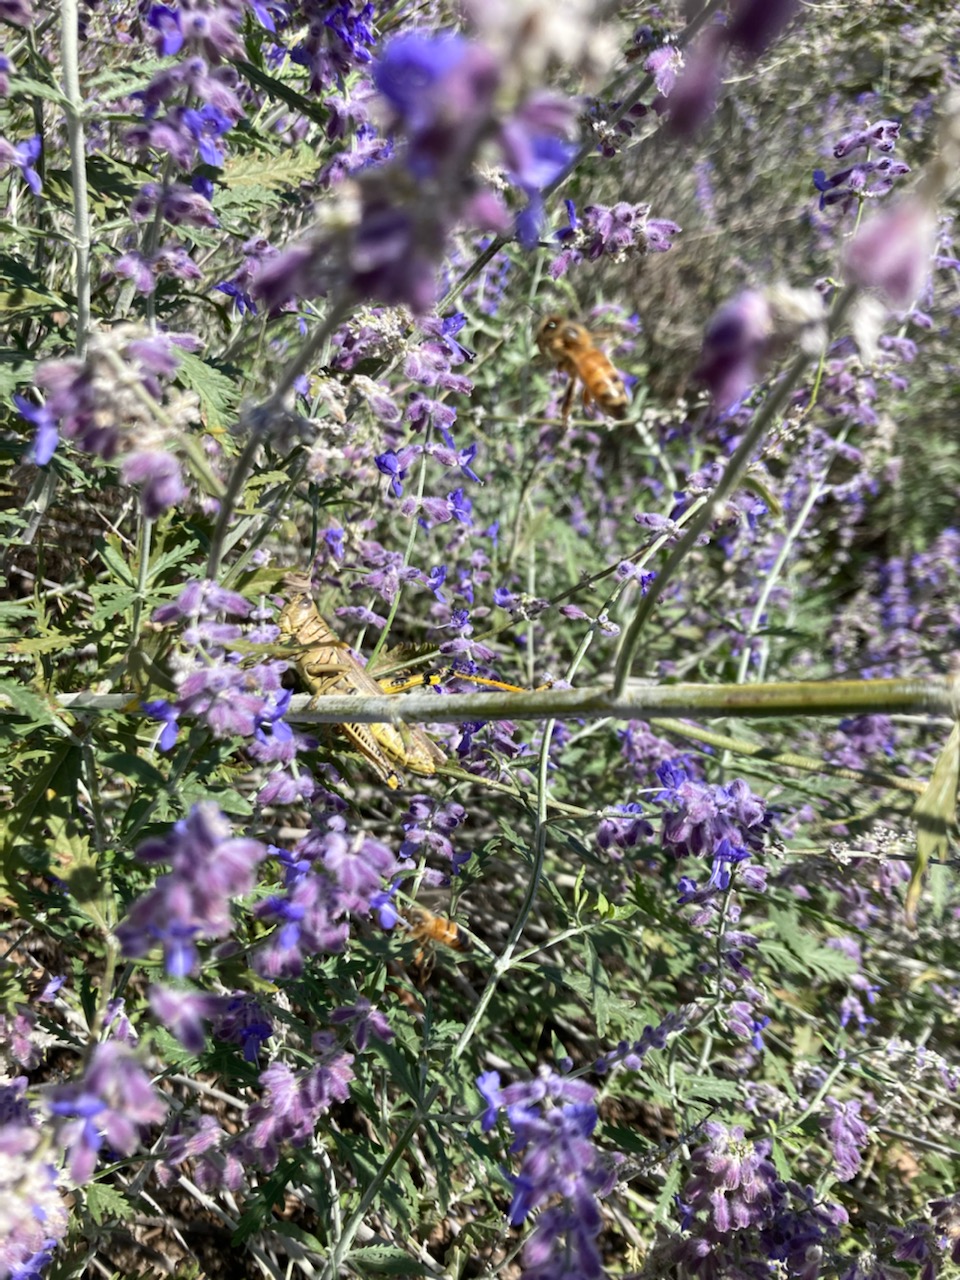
(104, 1201)
(119, 566)
(218, 393)
(708, 1088)
(935, 814)
(780, 1161)
(665, 1200)
(29, 87)
(594, 987)
(18, 698)
(271, 173)
(52, 642)
(113, 603)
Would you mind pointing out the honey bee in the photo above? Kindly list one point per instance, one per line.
(424, 927)
(572, 349)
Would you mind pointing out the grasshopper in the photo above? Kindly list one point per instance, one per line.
(327, 666)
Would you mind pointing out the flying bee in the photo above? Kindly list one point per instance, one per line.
(424, 927)
(572, 349)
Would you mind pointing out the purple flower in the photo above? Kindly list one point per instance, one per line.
(848, 1134)
(755, 24)
(734, 345)
(208, 867)
(880, 136)
(488, 1086)
(183, 1013)
(623, 832)
(160, 709)
(160, 479)
(23, 155)
(553, 1118)
(293, 1103)
(389, 464)
(364, 1021)
(693, 97)
(733, 1180)
(427, 826)
(892, 251)
(47, 435)
(411, 68)
(166, 22)
(35, 1214)
(110, 1103)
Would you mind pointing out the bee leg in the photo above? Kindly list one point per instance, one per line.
(567, 401)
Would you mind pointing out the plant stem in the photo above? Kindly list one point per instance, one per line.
(932, 693)
(73, 110)
(731, 477)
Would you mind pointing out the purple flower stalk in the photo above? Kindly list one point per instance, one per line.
(112, 402)
(34, 1213)
(553, 1118)
(209, 867)
(111, 1103)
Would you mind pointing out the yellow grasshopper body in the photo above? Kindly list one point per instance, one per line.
(327, 666)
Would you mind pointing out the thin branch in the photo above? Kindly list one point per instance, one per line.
(933, 694)
(73, 110)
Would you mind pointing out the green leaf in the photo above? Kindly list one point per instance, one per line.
(218, 393)
(780, 1161)
(25, 86)
(277, 89)
(708, 1088)
(105, 1201)
(789, 945)
(136, 768)
(385, 1260)
(665, 1200)
(262, 179)
(27, 702)
(593, 986)
(15, 369)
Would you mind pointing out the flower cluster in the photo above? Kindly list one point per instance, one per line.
(110, 1103)
(232, 698)
(235, 1019)
(209, 867)
(868, 179)
(441, 92)
(328, 876)
(725, 824)
(552, 1118)
(631, 1055)
(618, 231)
(293, 1102)
(624, 828)
(116, 402)
(286, 1114)
(735, 1207)
(848, 1136)
(428, 826)
(33, 1212)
